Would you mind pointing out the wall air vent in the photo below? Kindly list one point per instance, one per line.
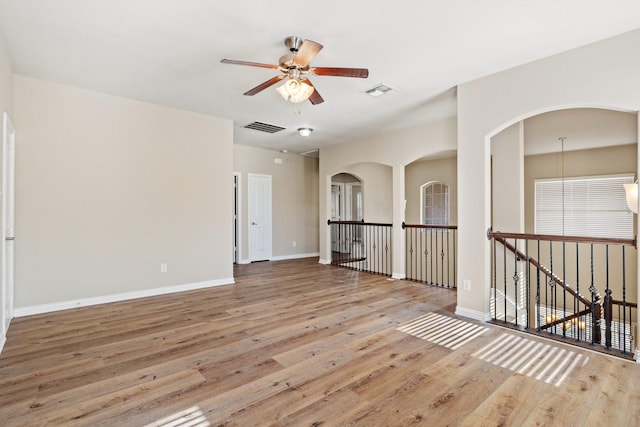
(263, 127)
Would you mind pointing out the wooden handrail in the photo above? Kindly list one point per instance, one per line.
(440, 227)
(498, 237)
(568, 239)
(329, 222)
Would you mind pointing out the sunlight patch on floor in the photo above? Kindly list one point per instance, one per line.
(192, 417)
(544, 362)
(442, 330)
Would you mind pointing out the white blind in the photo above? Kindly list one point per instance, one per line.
(593, 207)
(436, 204)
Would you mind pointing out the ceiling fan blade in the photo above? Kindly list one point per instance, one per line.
(362, 73)
(307, 52)
(251, 64)
(315, 97)
(263, 86)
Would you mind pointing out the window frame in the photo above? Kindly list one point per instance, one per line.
(447, 207)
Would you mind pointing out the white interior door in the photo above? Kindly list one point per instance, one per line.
(259, 195)
(337, 191)
(8, 203)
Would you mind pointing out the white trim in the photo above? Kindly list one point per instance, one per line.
(294, 256)
(398, 276)
(85, 302)
(324, 261)
(473, 314)
(238, 191)
(7, 287)
(244, 261)
(3, 339)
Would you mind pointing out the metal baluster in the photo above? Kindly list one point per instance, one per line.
(504, 274)
(595, 307)
(515, 280)
(448, 260)
(576, 303)
(455, 271)
(528, 289)
(538, 314)
(554, 300)
(436, 252)
(495, 282)
(624, 303)
(564, 288)
(431, 255)
(607, 304)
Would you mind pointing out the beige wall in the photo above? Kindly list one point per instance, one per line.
(109, 188)
(6, 105)
(583, 128)
(593, 162)
(376, 190)
(294, 199)
(507, 167)
(6, 80)
(423, 171)
(604, 74)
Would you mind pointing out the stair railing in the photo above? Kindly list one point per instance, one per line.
(549, 291)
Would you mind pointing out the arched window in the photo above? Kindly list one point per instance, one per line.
(435, 203)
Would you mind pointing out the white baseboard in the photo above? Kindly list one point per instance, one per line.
(85, 302)
(295, 256)
(3, 339)
(324, 261)
(473, 314)
(244, 261)
(398, 276)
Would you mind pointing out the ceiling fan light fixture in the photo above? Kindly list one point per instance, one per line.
(305, 131)
(295, 91)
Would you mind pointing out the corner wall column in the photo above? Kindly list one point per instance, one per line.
(637, 326)
(397, 238)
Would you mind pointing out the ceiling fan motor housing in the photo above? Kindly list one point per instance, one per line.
(293, 43)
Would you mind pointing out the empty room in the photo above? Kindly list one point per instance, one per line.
(355, 213)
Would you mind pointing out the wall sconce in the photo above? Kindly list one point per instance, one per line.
(631, 191)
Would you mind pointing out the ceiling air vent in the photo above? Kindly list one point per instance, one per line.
(379, 90)
(263, 127)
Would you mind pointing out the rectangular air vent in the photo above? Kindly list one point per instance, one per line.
(264, 127)
(379, 90)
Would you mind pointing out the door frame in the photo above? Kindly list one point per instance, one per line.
(237, 217)
(8, 216)
(250, 222)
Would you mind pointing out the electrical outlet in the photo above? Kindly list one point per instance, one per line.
(163, 267)
(294, 243)
(466, 284)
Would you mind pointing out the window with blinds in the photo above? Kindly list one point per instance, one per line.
(590, 206)
(435, 203)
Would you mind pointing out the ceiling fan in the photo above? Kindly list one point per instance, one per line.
(294, 67)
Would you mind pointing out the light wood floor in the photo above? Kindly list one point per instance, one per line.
(295, 343)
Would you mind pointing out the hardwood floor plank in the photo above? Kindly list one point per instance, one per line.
(297, 343)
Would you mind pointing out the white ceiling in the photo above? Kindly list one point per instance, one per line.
(168, 52)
